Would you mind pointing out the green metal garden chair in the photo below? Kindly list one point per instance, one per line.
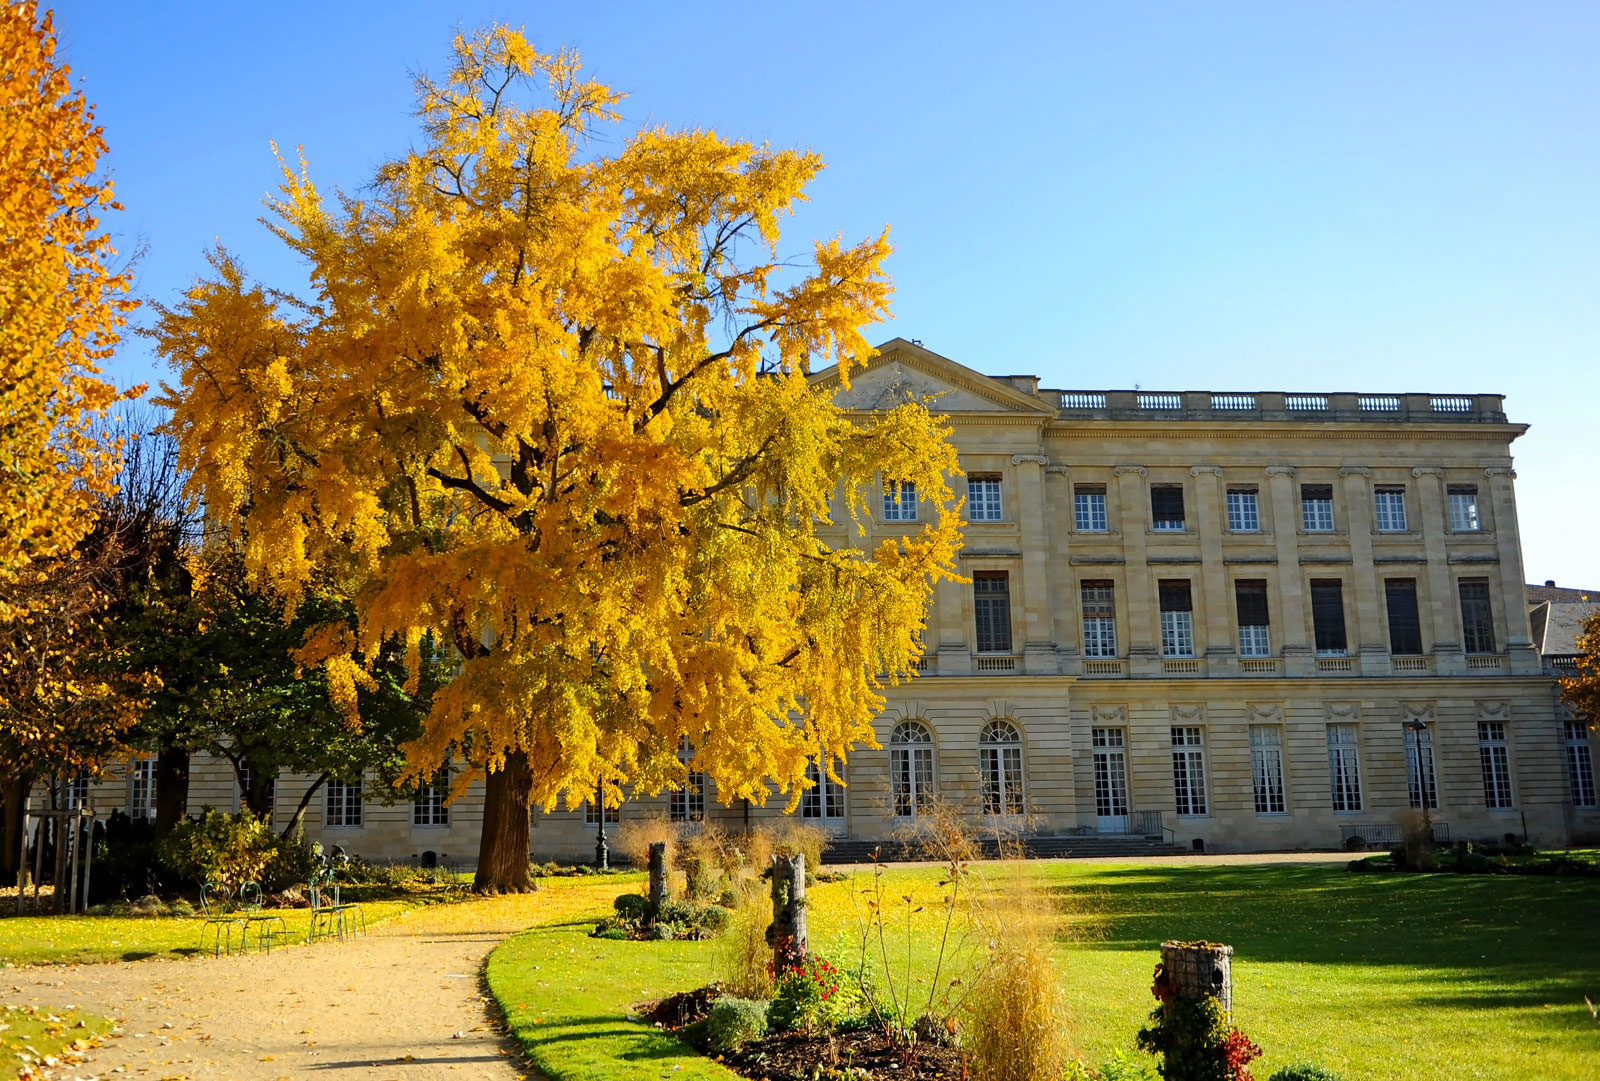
(219, 924)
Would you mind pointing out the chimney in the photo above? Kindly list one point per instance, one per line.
(1549, 583)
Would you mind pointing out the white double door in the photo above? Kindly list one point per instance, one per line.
(1110, 780)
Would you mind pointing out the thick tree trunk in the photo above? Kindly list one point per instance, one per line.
(172, 788)
(788, 912)
(659, 894)
(13, 796)
(504, 848)
(300, 811)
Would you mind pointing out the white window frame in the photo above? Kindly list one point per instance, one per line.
(1000, 769)
(1189, 771)
(1494, 755)
(75, 791)
(1111, 798)
(1266, 763)
(1580, 764)
(824, 800)
(1389, 510)
(899, 501)
(142, 789)
(1244, 511)
(688, 804)
(911, 769)
(1316, 515)
(1099, 620)
(1464, 512)
(1255, 641)
(1344, 767)
(428, 806)
(613, 814)
(342, 804)
(1177, 634)
(1089, 512)
(984, 502)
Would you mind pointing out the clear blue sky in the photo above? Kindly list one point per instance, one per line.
(1222, 196)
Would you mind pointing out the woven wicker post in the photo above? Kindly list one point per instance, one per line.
(788, 912)
(1197, 969)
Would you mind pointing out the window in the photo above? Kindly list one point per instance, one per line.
(1089, 507)
(825, 797)
(1423, 790)
(1495, 757)
(900, 501)
(1266, 759)
(1316, 508)
(343, 803)
(613, 814)
(1177, 618)
(991, 605)
(1405, 625)
(1327, 616)
(1464, 508)
(1250, 598)
(75, 793)
(1189, 770)
(1477, 624)
(428, 807)
(247, 778)
(983, 497)
(1243, 514)
(688, 804)
(1000, 763)
(1391, 507)
(1099, 619)
(1344, 769)
(1110, 773)
(911, 768)
(1166, 507)
(142, 789)
(1580, 764)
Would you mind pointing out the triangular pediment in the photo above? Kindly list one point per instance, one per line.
(906, 372)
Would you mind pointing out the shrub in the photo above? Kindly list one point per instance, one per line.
(1304, 1071)
(795, 838)
(291, 863)
(634, 836)
(802, 1001)
(735, 1022)
(229, 850)
(702, 879)
(125, 860)
(1416, 851)
(696, 921)
(730, 898)
(743, 954)
(632, 906)
(1195, 1039)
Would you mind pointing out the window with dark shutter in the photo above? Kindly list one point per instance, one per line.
(1316, 508)
(991, 602)
(1251, 596)
(1405, 625)
(1327, 615)
(1477, 624)
(1166, 507)
(1175, 595)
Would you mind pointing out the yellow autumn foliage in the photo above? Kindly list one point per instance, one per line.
(550, 405)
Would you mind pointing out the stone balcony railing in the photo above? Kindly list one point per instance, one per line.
(1276, 406)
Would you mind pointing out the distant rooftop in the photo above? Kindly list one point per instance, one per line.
(1270, 405)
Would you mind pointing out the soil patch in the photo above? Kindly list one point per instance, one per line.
(795, 1056)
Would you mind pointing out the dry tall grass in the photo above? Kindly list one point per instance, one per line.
(1016, 1026)
(633, 837)
(743, 954)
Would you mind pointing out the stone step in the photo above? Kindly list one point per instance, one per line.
(1103, 844)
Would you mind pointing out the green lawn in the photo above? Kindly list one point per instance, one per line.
(29, 1036)
(87, 939)
(1377, 976)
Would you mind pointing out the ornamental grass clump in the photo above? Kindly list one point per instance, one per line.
(1015, 1026)
(744, 957)
(735, 1022)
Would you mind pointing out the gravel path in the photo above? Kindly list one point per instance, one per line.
(404, 1002)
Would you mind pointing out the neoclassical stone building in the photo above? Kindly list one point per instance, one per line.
(1252, 620)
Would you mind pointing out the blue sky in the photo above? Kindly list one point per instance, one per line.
(1222, 196)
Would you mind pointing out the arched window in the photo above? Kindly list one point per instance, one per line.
(1000, 762)
(911, 768)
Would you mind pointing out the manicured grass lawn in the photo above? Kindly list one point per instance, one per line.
(29, 1036)
(1377, 976)
(87, 939)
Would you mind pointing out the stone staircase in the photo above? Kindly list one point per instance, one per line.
(839, 850)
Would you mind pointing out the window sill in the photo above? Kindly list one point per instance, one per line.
(1330, 533)
(1273, 814)
(1154, 532)
(430, 825)
(1398, 534)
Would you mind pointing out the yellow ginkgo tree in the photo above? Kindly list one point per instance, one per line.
(548, 408)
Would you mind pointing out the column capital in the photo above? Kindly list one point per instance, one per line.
(1354, 471)
(1121, 469)
(1198, 470)
(1427, 471)
(1501, 471)
(1029, 459)
(1281, 471)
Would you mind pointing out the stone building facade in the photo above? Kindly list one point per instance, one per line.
(1249, 621)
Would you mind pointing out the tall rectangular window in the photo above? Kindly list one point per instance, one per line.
(983, 497)
(342, 806)
(75, 792)
(1266, 759)
(1189, 770)
(1327, 616)
(1580, 764)
(1405, 624)
(142, 789)
(1166, 507)
(1099, 619)
(429, 808)
(1244, 516)
(1089, 508)
(1390, 503)
(825, 798)
(688, 804)
(1464, 508)
(1344, 767)
(1177, 618)
(1255, 636)
(592, 817)
(1420, 782)
(991, 604)
(899, 501)
(1495, 757)
(1316, 508)
(248, 780)
(1477, 623)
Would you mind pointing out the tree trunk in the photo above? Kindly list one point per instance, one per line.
(504, 848)
(172, 788)
(659, 894)
(300, 811)
(13, 797)
(788, 912)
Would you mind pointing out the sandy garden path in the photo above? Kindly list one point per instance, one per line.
(403, 1002)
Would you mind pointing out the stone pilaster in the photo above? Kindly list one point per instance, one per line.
(1214, 634)
(1039, 648)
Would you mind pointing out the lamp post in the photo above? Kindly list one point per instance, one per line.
(1416, 726)
(601, 856)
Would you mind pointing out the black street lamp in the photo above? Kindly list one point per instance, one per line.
(601, 854)
(1416, 726)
